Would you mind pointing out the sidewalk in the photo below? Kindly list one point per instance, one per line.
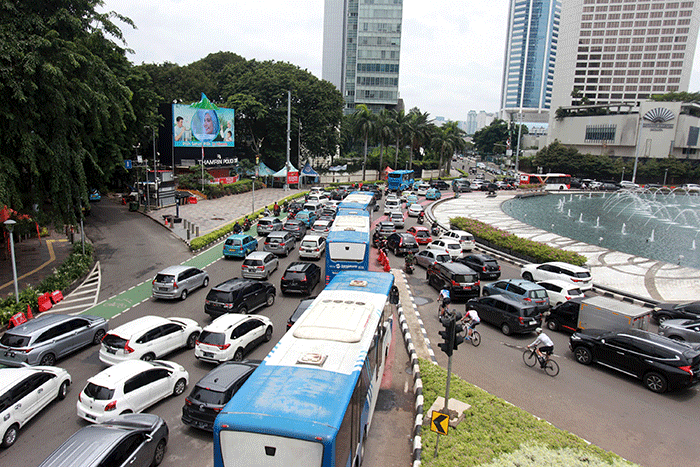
(627, 273)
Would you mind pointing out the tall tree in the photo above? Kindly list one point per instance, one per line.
(400, 126)
(365, 124)
(65, 102)
(448, 139)
(418, 128)
(384, 132)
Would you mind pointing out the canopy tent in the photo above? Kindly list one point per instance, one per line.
(386, 173)
(281, 175)
(263, 170)
(308, 175)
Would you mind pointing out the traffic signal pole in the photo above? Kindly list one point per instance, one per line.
(451, 342)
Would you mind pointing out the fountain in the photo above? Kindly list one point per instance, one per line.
(569, 213)
(597, 222)
(623, 229)
(693, 247)
(651, 239)
(580, 218)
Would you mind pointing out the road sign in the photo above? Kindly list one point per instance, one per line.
(439, 422)
(127, 164)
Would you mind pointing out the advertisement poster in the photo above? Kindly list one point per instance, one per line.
(202, 125)
(292, 178)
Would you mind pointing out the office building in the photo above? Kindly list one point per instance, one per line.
(528, 69)
(361, 50)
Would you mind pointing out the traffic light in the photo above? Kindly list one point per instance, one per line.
(448, 334)
(458, 328)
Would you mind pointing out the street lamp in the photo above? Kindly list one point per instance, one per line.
(10, 225)
(665, 173)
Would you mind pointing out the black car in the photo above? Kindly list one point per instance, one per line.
(295, 206)
(402, 243)
(297, 228)
(462, 282)
(303, 306)
(488, 187)
(461, 185)
(439, 184)
(485, 265)
(300, 277)
(213, 391)
(239, 296)
(661, 363)
(511, 316)
(136, 440)
(664, 311)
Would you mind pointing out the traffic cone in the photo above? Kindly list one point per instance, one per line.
(29, 312)
(387, 267)
(166, 221)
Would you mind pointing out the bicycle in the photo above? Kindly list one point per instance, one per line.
(531, 358)
(475, 338)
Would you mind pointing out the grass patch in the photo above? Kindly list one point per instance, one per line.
(496, 433)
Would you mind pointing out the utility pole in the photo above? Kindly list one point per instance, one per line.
(289, 141)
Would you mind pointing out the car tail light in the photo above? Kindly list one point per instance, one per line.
(303, 279)
(521, 319)
(282, 244)
(576, 280)
(80, 398)
(567, 297)
(187, 401)
(223, 347)
(217, 409)
(318, 249)
(174, 285)
(687, 369)
(527, 299)
(455, 283)
(128, 349)
(484, 269)
(267, 243)
(154, 282)
(262, 268)
(111, 406)
(228, 305)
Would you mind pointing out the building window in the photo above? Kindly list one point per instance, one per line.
(600, 133)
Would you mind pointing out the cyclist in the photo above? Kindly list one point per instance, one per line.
(545, 350)
(471, 318)
(444, 299)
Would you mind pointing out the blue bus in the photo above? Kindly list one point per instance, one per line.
(358, 203)
(311, 400)
(400, 180)
(347, 245)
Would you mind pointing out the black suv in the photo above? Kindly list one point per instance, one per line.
(439, 184)
(402, 243)
(511, 316)
(238, 296)
(301, 308)
(297, 228)
(300, 277)
(664, 311)
(461, 185)
(213, 391)
(458, 278)
(485, 265)
(661, 363)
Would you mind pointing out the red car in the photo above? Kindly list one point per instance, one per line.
(422, 234)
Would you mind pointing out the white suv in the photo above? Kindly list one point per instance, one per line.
(148, 338)
(24, 392)
(231, 336)
(448, 245)
(392, 205)
(580, 277)
(464, 238)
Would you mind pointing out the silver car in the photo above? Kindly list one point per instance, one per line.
(178, 281)
(681, 329)
(259, 265)
(43, 340)
(280, 243)
(429, 257)
(269, 224)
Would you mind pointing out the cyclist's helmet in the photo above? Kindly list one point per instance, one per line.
(538, 330)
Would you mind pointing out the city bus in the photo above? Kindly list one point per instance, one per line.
(347, 245)
(400, 180)
(312, 399)
(358, 203)
(551, 181)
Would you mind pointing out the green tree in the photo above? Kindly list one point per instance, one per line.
(365, 123)
(384, 132)
(418, 128)
(492, 139)
(400, 126)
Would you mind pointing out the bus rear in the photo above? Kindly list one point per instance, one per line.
(400, 180)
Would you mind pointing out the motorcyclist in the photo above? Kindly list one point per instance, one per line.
(421, 217)
(246, 224)
(267, 212)
(237, 228)
(276, 209)
(409, 261)
(435, 228)
(376, 239)
(285, 206)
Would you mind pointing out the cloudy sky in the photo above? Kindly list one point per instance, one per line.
(451, 50)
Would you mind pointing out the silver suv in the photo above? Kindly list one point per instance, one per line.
(269, 224)
(178, 281)
(280, 243)
(42, 340)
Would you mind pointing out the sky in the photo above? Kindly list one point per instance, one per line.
(452, 51)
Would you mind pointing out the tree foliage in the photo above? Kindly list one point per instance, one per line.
(492, 139)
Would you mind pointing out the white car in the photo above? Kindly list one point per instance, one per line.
(406, 194)
(231, 336)
(392, 205)
(560, 291)
(415, 209)
(422, 189)
(580, 277)
(464, 238)
(397, 218)
(24, 392)
(312, 246)
(148, 338)
(448, 245)
(129, 387)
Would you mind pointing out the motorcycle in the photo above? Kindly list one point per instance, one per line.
(246, 225)
(276, 211)
(421, 218)
(435, 230)
(409, 268)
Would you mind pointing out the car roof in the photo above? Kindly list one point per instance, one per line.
(507, 299)
(419, 228)
(258, 255)
(239, 236)
(269, 219)
(138, 325)
(569, 266)
(10, 376)
(458, 268)
(278, 233)
(525, 284)
(312, 236)
(220, 378)
(226, 321)
(483, 257)
(232, 284)
(558, 282)
(299, 266)
(42, 322)
(121, 371)
(174, 270)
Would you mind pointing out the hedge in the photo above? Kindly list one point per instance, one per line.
(502, 240)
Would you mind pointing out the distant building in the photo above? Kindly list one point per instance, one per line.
(361, 51)
(471, 122)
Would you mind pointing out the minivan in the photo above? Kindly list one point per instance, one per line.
(269, 224)
(178, 281)
(461, 281)
(280, 243)
(465, 239)
(522, 290)
(508, 314)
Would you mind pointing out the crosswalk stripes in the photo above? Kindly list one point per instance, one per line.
(84, 296)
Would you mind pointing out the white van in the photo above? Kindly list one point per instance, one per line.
(312, 246)
(392, 205)
(464, 238)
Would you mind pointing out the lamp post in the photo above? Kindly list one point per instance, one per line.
(665, 173)
(10, 225)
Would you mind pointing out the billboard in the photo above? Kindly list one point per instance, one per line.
(202, 125)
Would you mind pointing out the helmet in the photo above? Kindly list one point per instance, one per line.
(538, 330)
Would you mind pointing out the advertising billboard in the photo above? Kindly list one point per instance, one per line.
(202, 125)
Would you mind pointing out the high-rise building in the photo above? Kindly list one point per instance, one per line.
(361, 49)
(623, 51)
(471, 122)
(531, 50)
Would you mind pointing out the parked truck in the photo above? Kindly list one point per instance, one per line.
(598, 313)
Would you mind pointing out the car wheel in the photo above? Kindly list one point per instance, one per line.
(270, 300)
(238, 356)
(505, 329)
(485, 292)
(10, 436)
(99, 335)
(127, 411)
(148, 357)
(527, 276)
(48, 360)
(268, 334)
(243, 309)
(62, 391)
(396, 251)
(183, 295)
(159, 453)
(192, 340)
(662, 318)
(179, 387)
(583, 355)
(655, 382)
(206, 282)
(552, 325)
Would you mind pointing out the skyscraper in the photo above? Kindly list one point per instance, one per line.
(361, 49)
(531, 49)
(614, 51)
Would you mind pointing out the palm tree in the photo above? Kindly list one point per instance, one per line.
(384, 131)
(365, 123)
(399, 125)
(417, 127)
(447, 140)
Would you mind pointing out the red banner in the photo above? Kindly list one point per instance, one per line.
(292, 178)
(226, 180)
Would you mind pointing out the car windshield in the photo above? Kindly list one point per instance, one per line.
(463, 278)
(233, 241)
(442, 258)
(165, 278)
(212, 338)
(538, 293)
(252, 262)
(208, 396)
(98, 392)
(582, 275)
(12, 340)
(111, 340)
(218, 296)
(452, 246)
(309, 243)
(574, 292)
(294, 276)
